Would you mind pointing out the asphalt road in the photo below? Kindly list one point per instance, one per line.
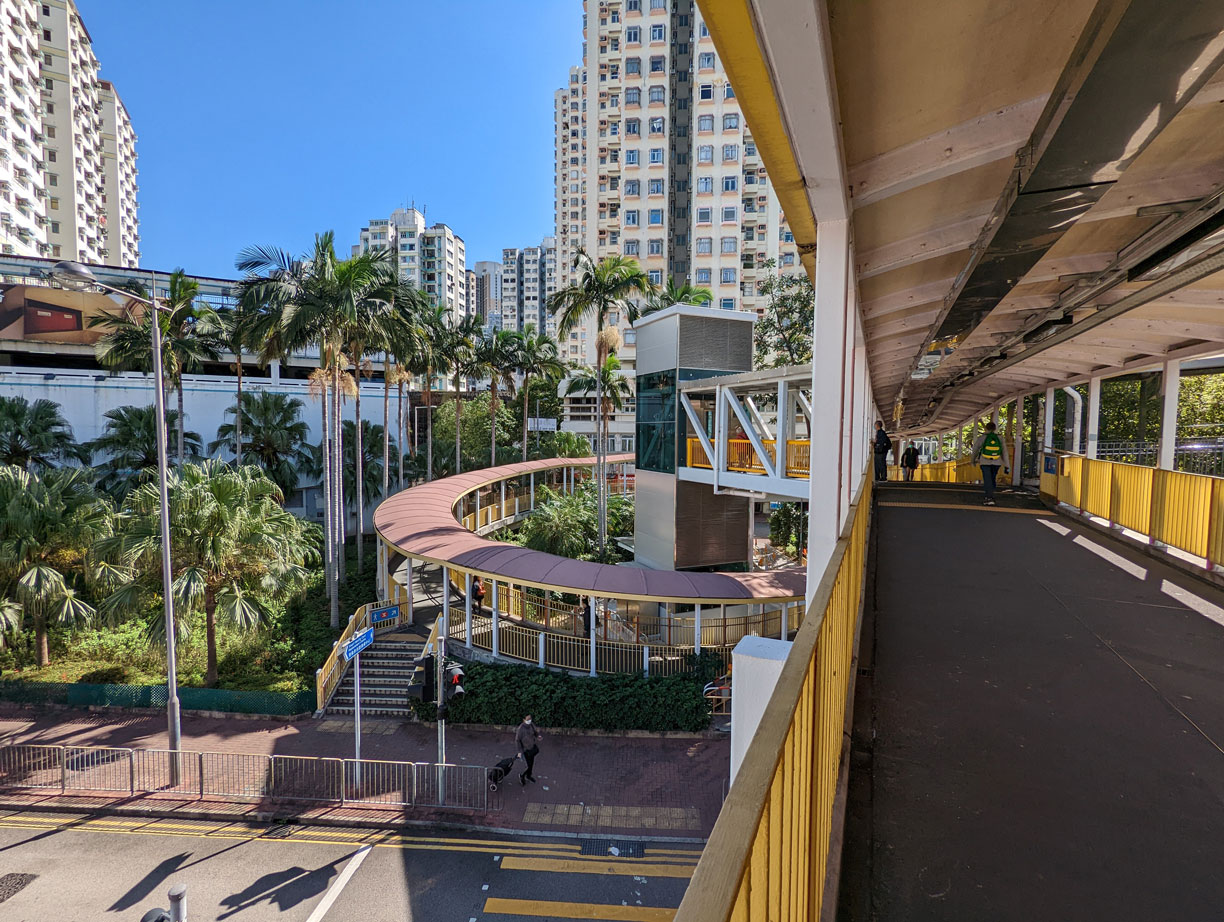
(90, 868)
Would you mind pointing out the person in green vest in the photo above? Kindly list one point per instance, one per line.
(990, 454)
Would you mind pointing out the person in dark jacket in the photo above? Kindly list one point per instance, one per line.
(881, 445)
(909, 461)
(526, 740)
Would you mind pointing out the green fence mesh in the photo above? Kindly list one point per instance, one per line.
(80, 694)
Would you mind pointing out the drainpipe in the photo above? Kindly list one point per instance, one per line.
(1074, 395)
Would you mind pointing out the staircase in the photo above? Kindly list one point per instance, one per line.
(386, 674)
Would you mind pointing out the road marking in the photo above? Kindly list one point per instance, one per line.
(549, 909)
(964, 506)
(624, 868)
(339, 884)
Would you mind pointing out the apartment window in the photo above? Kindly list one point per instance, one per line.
(633, 65)
(703, 276)
(728, 244)
(656, 187)
(704, 215)
(55, 227)
(632, 188)
(786, 236)
(633, 6)
(631, 217)
(50, 108)
(656, 125)
(730, 183)
(633, 35)
(705, 245)
(658, 64)
(728, 214)
(614, 129)
(51, 156)
(47, 58)
(705, 123)
(655, 247)
(705, 153)
(52, 179)
(705, 184)
(54, 202)
(631, 158)
(49, 83)
(656, 33)
(727, 276)
(50, 131)
(658, 4)
(631, 247)
(656, 217)
(656, 155)
(750, 233)
(614, 71)
(46, 34)
(705, 91)
(727, 304)
(655, 276)
(788, 259)
(731, 121)
(657, 94)
(749, 148)
(730, 152)
(633, 97)
(750, 179)
(46, 10)
(728, 92)
(633, 126)
(705, 60)
(703, 30)
(614, 44)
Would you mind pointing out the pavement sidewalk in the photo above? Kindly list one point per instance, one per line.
(600, 785)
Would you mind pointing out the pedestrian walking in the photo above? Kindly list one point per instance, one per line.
(478, 593)
(909, 462)
(527, 741)
(990, 454)
(881, 446)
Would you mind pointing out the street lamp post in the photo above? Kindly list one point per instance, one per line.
(76, 276)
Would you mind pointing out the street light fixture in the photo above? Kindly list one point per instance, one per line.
(79, 277)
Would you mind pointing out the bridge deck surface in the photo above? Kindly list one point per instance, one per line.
(1039, 727)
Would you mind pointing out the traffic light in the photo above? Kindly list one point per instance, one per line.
(425, 690)
(453, 688)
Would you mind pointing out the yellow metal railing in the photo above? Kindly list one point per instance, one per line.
(328, 676)
(767, 857)
(956, 471)
(742, 458)
(1180, 510)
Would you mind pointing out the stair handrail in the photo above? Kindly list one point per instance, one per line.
(329, 675)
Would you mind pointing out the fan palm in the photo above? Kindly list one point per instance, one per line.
(612, 387)
(669, 295)
(537, 358)
(236, 325)
(458, 355)
(236, 549)
(426, 363)
(274, 435)
(496, 356)
(601, 287)
(36, 434)
(190, 329)
(128, 445)
(47, 524)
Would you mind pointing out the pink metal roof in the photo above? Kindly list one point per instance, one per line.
(420, 523)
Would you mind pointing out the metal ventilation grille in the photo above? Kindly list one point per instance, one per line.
(710, 529)
(715, 345)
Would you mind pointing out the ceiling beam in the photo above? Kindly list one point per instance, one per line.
(938, 241)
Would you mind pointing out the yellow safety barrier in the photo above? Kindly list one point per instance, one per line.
(742, 457)
(328, 676)
(767, 857)
(963, 471)
(1172, 508)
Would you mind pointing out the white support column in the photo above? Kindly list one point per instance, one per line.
(1017, 454)
(445, 630)
(1075, 405)
(496, 620)
(786, 614)
(540, 649)
(532, 504)
(467, 610)
(697, 628)
(645, 660)
(1047, 432)
(858, 447)
(501, 513)
(828, 341)
(849, 478)
(1170, 385)
(782, 425)
(720, 435)
(1094, 416)
(409, 591)
(477, 528)
(593, 611)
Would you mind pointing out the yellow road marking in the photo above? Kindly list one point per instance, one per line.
(548, 908)
(621, 867)
(964, 506)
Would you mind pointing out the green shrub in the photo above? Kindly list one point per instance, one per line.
(106, 675)
(502, 694)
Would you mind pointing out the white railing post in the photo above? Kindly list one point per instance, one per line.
(531, 504)
(697, 629)
(496, 612)
(1170, 386)
(1047, 431)
(646, 660)
(502, 511)
(785, 620)
(592, 635)
(540, 649)
(467, 610)
(1094, 416)
(477, 528)
(410, 592)
(445, 632)
(1018, 444)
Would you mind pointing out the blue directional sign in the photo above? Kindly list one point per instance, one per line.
(388, 613)
(359, 643)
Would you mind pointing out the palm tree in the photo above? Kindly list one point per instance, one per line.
(400, 377)
(36, 434)
(457, 353)
(191, 335)
(669, 295)
(49, 523)
(496, 356)
(276, 436)
(128, 445)
(235, 330)
(426, 363)
(611, 387)
(401, 337)
(601, 287)
(236, 549)
(371, 467)
(537, 358)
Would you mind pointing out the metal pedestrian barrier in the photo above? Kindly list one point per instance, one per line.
(238, 776)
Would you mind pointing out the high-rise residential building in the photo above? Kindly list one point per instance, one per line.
(432, 258)
(488, 293)
(68, 149)
(528, 280)
(569, 198)
(469, 287)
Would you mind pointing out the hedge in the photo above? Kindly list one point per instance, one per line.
(81, 694)
(502, 694)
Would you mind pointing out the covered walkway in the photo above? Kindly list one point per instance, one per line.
(1038, 722)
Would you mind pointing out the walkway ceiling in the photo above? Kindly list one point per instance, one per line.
(1034, 188)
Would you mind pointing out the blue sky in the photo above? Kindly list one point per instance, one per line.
(264, 121)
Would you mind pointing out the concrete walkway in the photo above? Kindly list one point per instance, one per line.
(1039, 729)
